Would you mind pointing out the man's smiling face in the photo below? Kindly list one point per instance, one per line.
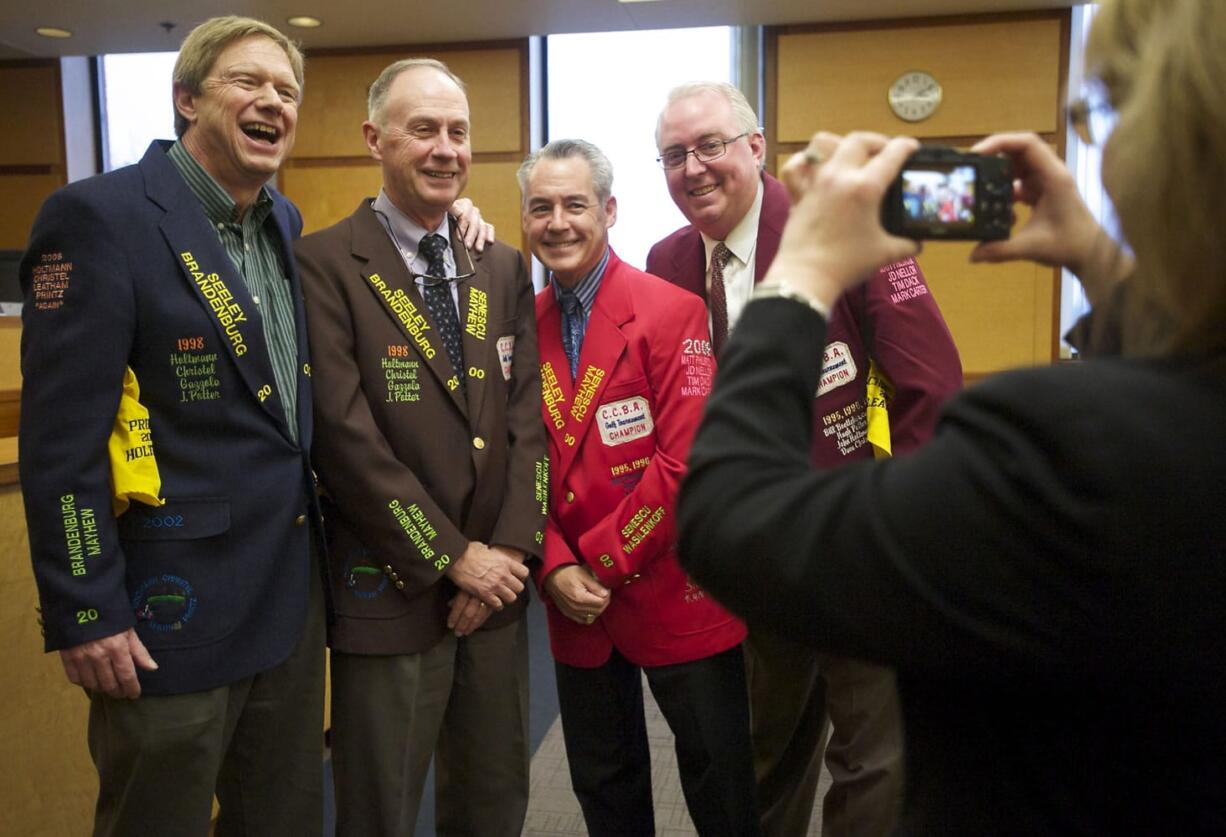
(713, 196)
(566, 223)
(420, 135)
(242, 121)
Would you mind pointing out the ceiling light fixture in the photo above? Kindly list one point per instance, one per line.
(304, 21)
(53, 32)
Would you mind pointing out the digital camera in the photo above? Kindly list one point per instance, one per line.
(950, 195)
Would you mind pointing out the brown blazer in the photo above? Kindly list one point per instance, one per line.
(413, 470)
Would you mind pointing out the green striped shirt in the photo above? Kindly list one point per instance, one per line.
(253, 246)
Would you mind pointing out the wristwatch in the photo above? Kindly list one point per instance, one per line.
(786, 290)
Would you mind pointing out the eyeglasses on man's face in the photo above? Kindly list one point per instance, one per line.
(704, 152)
(1092, 115)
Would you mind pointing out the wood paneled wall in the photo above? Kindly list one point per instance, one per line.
(31, 145)
(998, 73)
(330, 170)
(47, 781)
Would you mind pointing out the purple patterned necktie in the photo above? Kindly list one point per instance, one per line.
(717, 299)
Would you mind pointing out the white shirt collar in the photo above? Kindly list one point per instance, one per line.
(743, 239)
(407, 234)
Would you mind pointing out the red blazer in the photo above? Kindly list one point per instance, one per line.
(894, 317)
(618, 440)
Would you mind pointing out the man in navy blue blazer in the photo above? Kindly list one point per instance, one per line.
(195, 625)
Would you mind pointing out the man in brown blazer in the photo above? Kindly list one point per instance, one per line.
(431, 450)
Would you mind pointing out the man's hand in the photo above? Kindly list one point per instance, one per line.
(108, 665)
(475, 232)
(510, 552)
(577, 592)
(467, 614)
(492, 575)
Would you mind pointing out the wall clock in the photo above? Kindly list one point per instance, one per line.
(914, 96)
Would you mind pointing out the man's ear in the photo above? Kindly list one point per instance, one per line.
(370, 132)
(757, 144)
(185, 103)
(610, 209)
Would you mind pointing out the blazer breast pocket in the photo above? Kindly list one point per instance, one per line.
(502, 334)
(625, 418)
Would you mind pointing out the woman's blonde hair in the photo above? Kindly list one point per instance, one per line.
(1163, 63)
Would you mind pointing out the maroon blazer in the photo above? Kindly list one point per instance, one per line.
(894, 317)
(618, 439)
(414, 469)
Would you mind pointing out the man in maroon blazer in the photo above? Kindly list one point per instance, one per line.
(626, 365)
(712, 151)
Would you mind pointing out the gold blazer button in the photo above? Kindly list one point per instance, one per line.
(299, 520)
(570, 496)
(478, 443)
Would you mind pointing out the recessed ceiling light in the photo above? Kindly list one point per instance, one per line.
(53, 32)
(304, 21)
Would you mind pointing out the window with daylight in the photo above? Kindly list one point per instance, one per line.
(1085, 161)
(136, 104)
(608, 88)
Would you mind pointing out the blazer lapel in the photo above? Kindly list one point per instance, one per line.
(770, 225)
(474, 297)
(217, 284)
(603, 345)
(557, 389)
(691, 261)
(386, 276)
(302, 376)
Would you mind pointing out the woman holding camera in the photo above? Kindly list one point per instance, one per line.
(1048, 575)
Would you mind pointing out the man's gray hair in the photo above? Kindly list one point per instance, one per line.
(742, 114)
(602, 169)
(377, 96)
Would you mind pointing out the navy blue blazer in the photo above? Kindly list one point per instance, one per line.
(125, 269)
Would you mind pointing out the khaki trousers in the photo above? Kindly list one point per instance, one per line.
(464, 702)
(257, 743)
(794, 691)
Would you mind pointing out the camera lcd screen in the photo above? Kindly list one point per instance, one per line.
(939, 195)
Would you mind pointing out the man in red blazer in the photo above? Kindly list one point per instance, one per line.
(626, 364)
(712, 151)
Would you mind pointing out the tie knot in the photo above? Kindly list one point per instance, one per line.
(570, 303)
(433, 247)
(720, 255)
